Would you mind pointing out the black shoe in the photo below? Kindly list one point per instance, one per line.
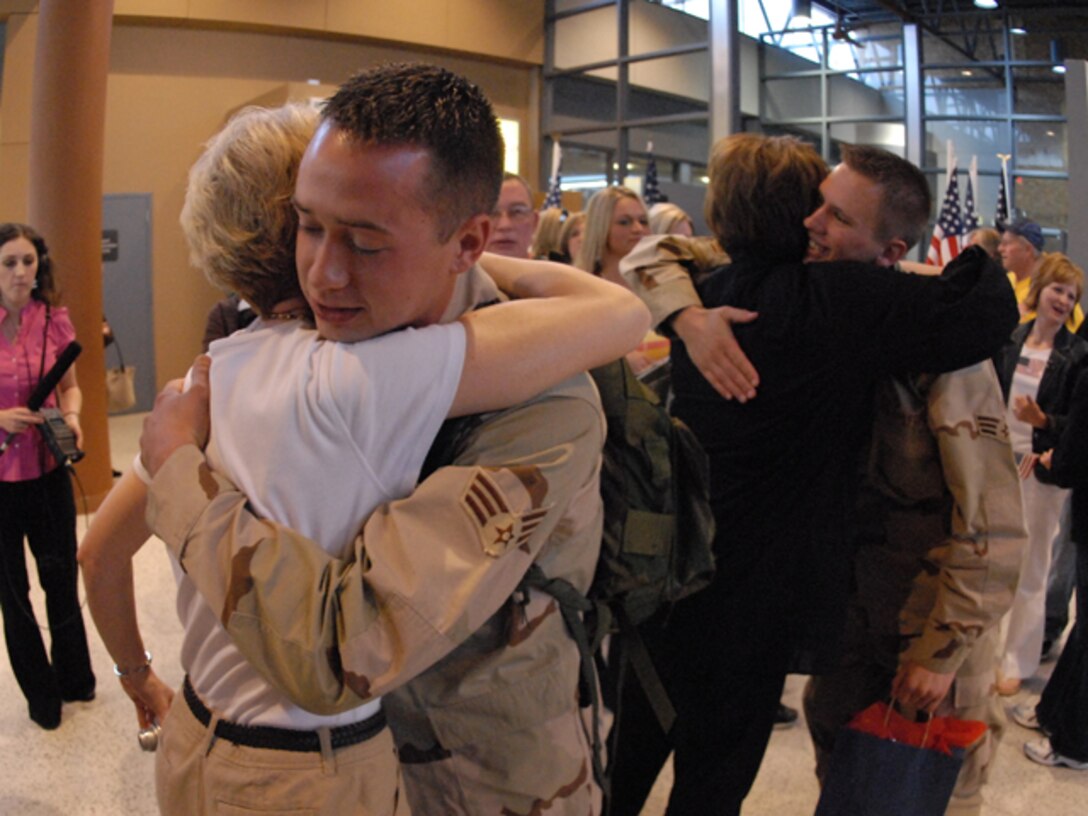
(1048, 652)
(47, 714)
(785, 717)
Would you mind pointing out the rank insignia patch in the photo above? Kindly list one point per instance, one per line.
(501, 528)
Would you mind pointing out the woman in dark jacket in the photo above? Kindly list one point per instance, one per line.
(1062, 712)
(1037, 369)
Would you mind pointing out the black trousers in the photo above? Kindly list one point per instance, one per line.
(725, 715)
(1063, 708)
(42, 511)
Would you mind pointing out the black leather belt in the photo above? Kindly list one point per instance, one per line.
(282, 739)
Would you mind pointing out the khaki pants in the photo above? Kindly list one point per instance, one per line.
(196, 774)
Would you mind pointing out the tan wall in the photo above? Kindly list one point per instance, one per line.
(170, 88)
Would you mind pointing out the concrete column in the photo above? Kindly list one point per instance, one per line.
(67, 134)
(1076, 111)
(724, 69)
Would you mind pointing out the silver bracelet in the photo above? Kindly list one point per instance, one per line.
(129, 672)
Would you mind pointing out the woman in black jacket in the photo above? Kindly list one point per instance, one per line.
(1037, 369)
(1062, 713)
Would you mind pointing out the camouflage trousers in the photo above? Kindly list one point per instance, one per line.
(544, 769)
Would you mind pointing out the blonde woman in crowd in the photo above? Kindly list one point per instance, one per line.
(668, 219)
(616, 220)
(546, 238)
(1037, 369)
(570, 237)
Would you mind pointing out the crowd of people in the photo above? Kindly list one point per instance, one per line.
(889, 454)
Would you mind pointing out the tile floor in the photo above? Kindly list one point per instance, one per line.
(92, 765)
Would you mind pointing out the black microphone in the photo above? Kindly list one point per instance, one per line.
(52, 377)
(47, 383)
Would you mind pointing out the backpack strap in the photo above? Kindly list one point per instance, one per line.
(573, 606)
(634, 651)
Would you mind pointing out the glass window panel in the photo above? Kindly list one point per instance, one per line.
(688, 142)
(848, 97)
(791, 98)
(865, 50)
(986, 39)
(1045, 201)
(1035, 45)
(985, 195)
(698, 8)
(653, 27)
(572, 5)
(582, 101)
(1038, 90)
(936, 49)
(808, 45)
(889, 135)
(585, 167)
(1041, 146)
(950, 92)
(586, 38)
(983, 139)
(676, 83)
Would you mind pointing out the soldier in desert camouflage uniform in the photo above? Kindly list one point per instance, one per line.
(480, 680)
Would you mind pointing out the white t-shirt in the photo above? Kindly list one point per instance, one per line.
(317, 434)
(1025, 382)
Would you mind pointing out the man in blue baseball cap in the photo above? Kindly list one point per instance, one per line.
(1021, 251)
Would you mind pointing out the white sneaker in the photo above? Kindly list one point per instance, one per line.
(1024, 714)
(1043, 752)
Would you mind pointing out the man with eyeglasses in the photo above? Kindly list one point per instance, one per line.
(513, 221)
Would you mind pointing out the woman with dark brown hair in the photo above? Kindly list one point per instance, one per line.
(36, 501)
(782, 465)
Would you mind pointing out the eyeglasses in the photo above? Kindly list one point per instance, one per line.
(519, 213)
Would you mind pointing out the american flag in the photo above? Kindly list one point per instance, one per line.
(555, 188)
(970, 216)
(651, 193)
(948, 231)
(1001, 218)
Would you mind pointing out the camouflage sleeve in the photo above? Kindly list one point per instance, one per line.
(422, 575)
(981, 558)
(661, 270)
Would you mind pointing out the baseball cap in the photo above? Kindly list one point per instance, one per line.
(1028, 230)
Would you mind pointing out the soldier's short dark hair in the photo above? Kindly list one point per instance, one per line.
(428, 107)
(905, 200)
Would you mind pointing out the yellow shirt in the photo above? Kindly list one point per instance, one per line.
(1020, 289)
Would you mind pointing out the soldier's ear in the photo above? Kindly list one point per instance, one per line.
(892, 253)
(471, 238)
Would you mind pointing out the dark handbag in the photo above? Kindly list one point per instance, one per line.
(895, 767)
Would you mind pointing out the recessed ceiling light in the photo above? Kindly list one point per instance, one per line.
(1050, 133)
(1020, 31)
(986, 4)
(967, 72)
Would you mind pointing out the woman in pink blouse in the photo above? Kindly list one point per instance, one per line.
(36, 501)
